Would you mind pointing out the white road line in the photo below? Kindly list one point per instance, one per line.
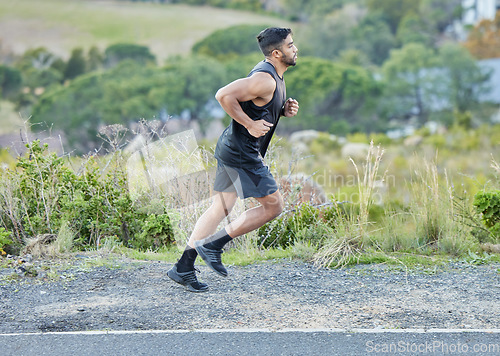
(264, 330)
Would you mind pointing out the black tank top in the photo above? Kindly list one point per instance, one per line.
(236, 147)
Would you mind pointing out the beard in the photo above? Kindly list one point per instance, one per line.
(289, 60)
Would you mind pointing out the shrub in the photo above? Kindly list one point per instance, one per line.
(284, 230)
(42, 185)
(10, 81)
(43, 196)
(156, 232)
(232, 41)
(4, 240)
(121, 51)
(488, 205)
(306, 223)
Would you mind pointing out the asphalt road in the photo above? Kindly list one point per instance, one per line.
(255, 342)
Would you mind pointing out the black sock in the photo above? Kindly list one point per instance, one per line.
(217, 240)
(186, 262)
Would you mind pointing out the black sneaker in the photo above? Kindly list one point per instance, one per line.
(187, 279)
(212, 258)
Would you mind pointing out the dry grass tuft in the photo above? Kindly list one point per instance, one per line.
(351, 229)
(41, 246)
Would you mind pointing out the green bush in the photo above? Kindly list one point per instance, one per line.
(323, 144)
(283, 231)
(77, 64)
(156, 232)
(10, 81)
(488, 205)
(43, 194)
(233, 41)
(306, 223)
(4, 240)
(121, 51)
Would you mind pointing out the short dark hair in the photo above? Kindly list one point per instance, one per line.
(271, 38)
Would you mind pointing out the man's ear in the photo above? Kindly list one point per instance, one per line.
(276, 53)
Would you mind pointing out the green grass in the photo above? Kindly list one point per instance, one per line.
(61, 25)
(235, 257)
(413, 261)
(408, 260)
(398, 261)
(170, 254)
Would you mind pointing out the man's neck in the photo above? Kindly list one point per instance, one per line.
(278, 66)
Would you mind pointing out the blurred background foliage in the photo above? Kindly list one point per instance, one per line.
(364, 66)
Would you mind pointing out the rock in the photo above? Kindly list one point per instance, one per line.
(355, 150)
(27, 258)
(304, 136)
(299, 148)
(299, 188)
(413, 141)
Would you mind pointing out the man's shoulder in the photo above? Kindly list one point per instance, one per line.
(263, 66)
(262, 75)
(264, 71)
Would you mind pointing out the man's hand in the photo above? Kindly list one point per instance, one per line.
(259, 128)
(291, 107)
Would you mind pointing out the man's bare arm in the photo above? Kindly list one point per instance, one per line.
(259, 88)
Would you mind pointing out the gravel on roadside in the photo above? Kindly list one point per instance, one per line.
(132, 295)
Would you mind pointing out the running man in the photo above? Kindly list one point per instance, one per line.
(255, 104)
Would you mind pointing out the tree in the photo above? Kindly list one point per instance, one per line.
(39, 69)
(463, 79)
(238, 67)
(122, 51)
(354, 57)
(230, 42)
(10, 82)
(328, 35)
(410, 81)
(328, 91)
(191, 82)
(127, 93)
(39, 58)
(76, 64)
(394, 10)
(484, 39)
(373, 37)
(429, 21)
(304, 10)
(95, 58)
(413, 29)
(41, 78)
(439, 14)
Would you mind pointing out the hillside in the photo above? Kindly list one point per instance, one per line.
(61, 25)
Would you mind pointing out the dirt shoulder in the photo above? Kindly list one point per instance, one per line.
(126, 295)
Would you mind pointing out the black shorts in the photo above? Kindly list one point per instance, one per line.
(246, 182)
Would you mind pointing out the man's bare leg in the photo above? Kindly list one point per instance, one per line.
(210, 248)
(271, 206)
(222, 204)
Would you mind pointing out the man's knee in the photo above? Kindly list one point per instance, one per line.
(275, 206)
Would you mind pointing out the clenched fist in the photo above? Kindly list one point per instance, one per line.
(291, 108)
(259, 128)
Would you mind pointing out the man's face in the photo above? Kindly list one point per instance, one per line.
(289, 52)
